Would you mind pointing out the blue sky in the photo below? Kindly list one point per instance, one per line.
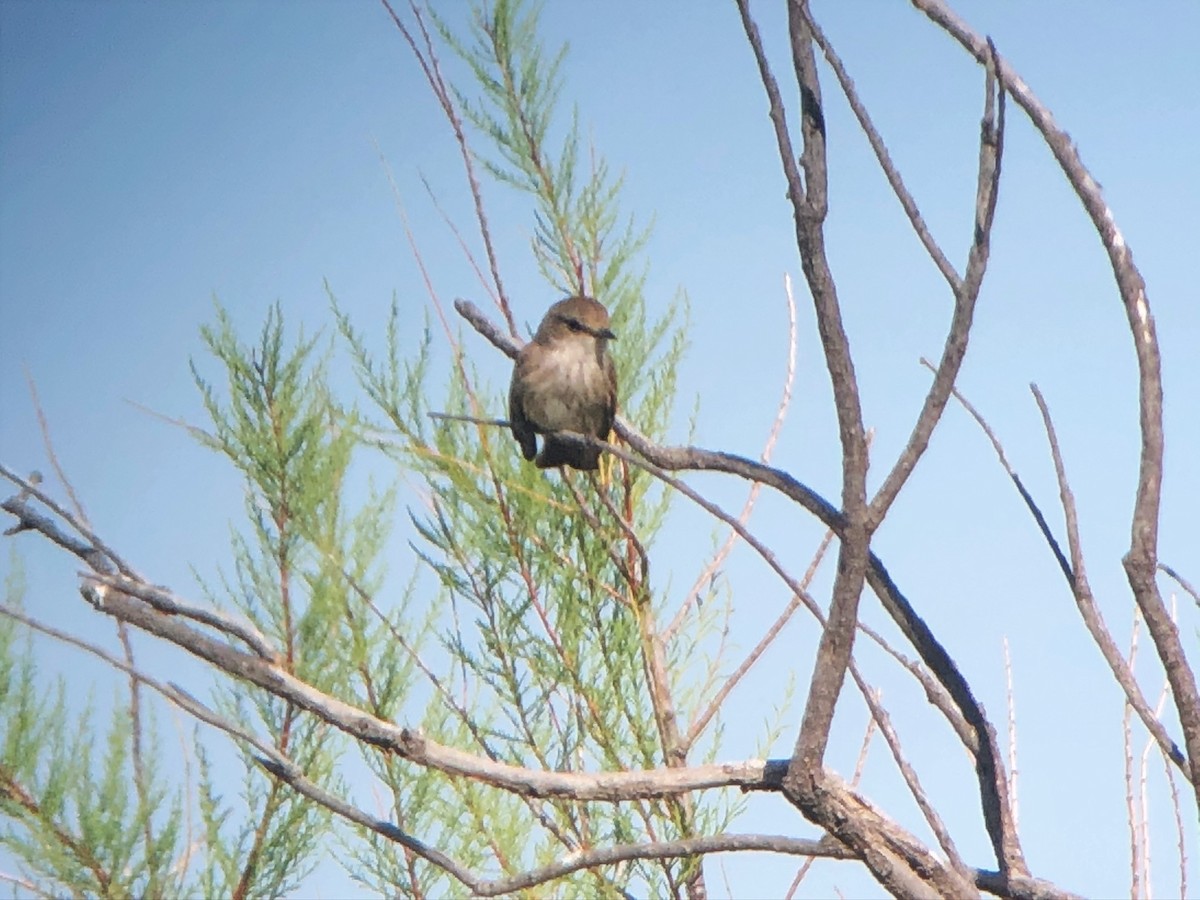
(155, 156)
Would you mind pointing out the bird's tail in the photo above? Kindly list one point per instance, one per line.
(559, 453)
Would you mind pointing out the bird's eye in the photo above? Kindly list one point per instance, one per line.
(574, 324)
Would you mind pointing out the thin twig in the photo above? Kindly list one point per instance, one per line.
(935, 692)
(920, 228)
(195, 431)
(430, 66)
(455, 417)
(794, 603)
(97, 549)
(714, 564)
(1180, 834)
(1013, 770)
(1187, 586)
(1144, 788)
(48, 443)
(1086, 601)
(800, 873)
(1131, 806)
(868, 733)
(1031, 504)
(27, 886)
(462, 242)
(880, 715)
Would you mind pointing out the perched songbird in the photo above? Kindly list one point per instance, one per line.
(564, 381)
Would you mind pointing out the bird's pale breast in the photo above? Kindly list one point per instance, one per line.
(567, 390)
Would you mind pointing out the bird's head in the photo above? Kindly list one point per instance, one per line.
(573, 317)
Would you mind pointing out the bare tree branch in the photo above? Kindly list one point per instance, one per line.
(168, 602)
(411, 743)
(95, 553)
(1141, 560)
(1086, 601)
(1076, 576)
(809, 211)
(103, 573)
(991, 151)
(920, 228)
(809, 204)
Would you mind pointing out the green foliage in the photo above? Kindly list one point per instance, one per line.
(70, 816)
(546, 598)
(304, 575)
(525, 631)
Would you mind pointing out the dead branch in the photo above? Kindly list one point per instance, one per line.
(1086, 601)
(991, 151)
(1141, 561)
(1075, 574)
(94, 552)
(810, 204)
(411, 744)
(916, 220)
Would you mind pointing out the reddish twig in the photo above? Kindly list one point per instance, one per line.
(428, 61)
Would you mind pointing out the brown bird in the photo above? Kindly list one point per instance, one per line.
(564, 381)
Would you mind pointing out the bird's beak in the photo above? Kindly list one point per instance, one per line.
(606, 333)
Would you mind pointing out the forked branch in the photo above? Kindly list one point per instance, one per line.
(991, 151)
(1142, 559)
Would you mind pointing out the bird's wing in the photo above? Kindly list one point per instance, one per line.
(519, 423)
(610, 408)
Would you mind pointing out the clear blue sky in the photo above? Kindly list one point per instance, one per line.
(153, 156)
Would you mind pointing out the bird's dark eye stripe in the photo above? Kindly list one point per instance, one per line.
(574, 324)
